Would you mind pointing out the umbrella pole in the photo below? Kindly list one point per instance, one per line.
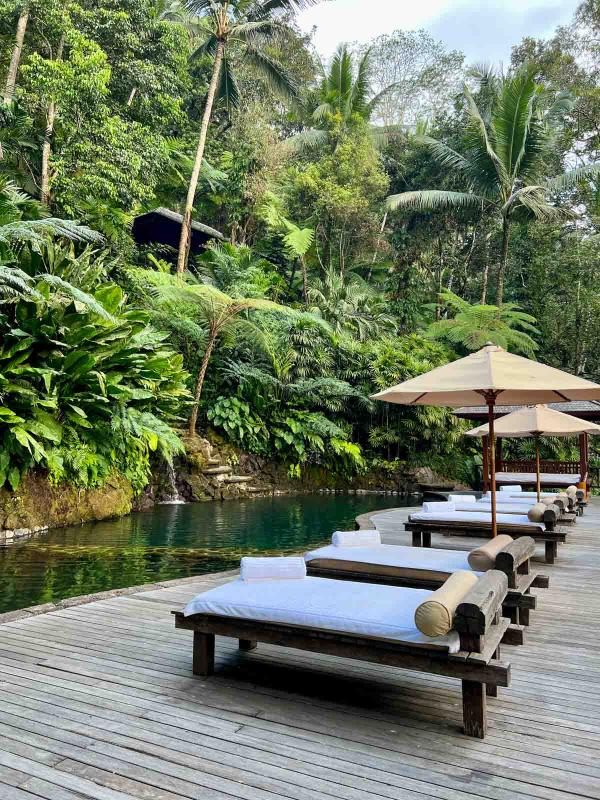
(537, 467)
(492, 442)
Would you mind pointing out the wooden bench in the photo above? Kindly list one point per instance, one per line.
(477, 665)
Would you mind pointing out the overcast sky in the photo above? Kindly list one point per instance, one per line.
(483, 29)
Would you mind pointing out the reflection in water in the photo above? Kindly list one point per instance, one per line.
(171, 541)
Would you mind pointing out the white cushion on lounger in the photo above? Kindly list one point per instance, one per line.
(504, 506)
(520, 497)
(473, 516)
(516, 488)
(529, 477)
(361, 608)
(396, 555)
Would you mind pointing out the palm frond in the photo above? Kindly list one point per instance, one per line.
(480, 126)
(434, 200)
(274, 73)
(443, 154)
(306, 140)
(511, 119)
(227, 88)
(569, 179)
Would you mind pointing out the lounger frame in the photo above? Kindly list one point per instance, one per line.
(514, 561)
(421, 531)
(477, 664)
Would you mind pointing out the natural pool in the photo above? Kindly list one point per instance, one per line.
(171, 541)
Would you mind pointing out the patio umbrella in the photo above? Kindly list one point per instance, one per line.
(537, 421)
(490, 373)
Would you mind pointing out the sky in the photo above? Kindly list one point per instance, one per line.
(484, 30)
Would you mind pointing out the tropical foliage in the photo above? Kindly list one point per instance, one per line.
(370, 210)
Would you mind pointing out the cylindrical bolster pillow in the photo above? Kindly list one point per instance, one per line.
(461, 498)
(512, 488)
(572, 490)
(549, 501)
(536, 512)
(435, 616)
(483, 558)
(443, 507)
(564, 497)
(356, 538)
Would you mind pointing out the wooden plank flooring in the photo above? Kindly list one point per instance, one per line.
(98, 701)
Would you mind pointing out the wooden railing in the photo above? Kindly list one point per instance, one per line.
(554, 467)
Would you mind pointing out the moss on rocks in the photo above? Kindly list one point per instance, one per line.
(39, 504)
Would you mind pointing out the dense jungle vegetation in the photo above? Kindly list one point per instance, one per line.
(381, 214)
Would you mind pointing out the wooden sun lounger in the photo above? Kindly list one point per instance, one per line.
(422, 529)
(477, 620)
(514, 561)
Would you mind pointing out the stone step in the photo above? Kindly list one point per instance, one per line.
(238, 479)
(214, 462)
(222, 470)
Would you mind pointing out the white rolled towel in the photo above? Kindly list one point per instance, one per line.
(462, 498)
(277, 568)
(444, 507)
(513, 489)
(356, 538)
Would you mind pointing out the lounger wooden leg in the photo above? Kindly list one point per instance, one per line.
(524, 616)
(551, 552)
(247, 644)
(416, 538)
(491, 690)
(512, 612)
(426, 538)
(474, 709)
(203, 662)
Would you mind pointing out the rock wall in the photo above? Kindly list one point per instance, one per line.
(38, 505)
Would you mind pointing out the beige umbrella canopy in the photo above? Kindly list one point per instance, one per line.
(537, 421)
(490, 373)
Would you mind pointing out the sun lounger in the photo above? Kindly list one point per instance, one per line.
(366, 622)
(466, 523)
(428, 568)
(510, 505)
(548, 479)
(576, 501)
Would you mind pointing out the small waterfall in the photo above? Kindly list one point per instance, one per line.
(171, 495)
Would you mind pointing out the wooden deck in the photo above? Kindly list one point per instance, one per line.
(98, 701)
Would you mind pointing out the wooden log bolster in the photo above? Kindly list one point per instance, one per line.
(514, 554)
(478, 608)
(551, 517)
(514, 635)
(541, 581)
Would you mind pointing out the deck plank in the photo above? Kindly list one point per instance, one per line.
(97, 702)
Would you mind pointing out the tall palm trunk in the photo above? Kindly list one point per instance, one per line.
(186, 225)
(13, 68)
(503, 259)
(212, 338)
(486, 270)
(47, 145)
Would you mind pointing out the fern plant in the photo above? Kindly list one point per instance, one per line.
(472, 326)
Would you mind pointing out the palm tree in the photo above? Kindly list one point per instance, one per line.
(218, 310)
(473, 326)
(252, 25)
(15, 59)
(344, 94)
(503, 168)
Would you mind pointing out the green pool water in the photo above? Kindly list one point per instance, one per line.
(171, 541)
